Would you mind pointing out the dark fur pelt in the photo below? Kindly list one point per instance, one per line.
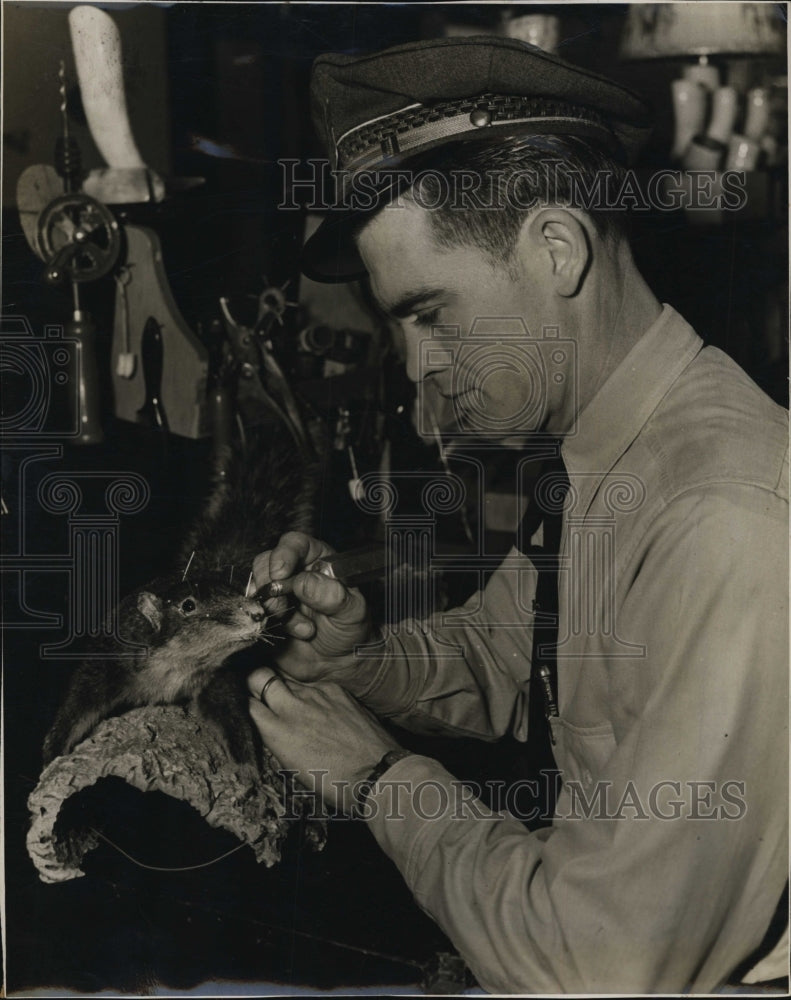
(191, 621)
(265, 489)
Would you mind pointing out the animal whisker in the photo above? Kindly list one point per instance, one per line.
(187, 567)
(277, 629)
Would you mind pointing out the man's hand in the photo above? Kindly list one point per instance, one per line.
(330, 621)
(318, 731)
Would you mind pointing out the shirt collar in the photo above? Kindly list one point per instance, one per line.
(612, 420)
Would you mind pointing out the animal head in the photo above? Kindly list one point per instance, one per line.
(201, 616)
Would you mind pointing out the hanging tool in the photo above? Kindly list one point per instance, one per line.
(152, 412)
(76, 235)
(126, 362)
(68, 161)
(85, 374)
(80, 241)
(68, 226)
(261, 379)
(342, 442)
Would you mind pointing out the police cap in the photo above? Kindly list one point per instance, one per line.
(377, 112)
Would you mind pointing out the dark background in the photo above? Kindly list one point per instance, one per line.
(238, 76)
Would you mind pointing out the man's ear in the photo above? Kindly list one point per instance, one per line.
(562, 237)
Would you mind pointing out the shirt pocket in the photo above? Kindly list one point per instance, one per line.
(581, 753)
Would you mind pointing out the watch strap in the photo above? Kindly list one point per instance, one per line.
(364, 789)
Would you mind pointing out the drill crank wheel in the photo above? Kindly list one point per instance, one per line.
(79, 237)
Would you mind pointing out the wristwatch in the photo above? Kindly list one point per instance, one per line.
(364, 789)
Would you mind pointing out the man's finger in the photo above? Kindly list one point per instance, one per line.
(300, 626)
(269, 688)
(293, 552)
(276, 606)
(261, 569)
(326, 595)
(266, 720)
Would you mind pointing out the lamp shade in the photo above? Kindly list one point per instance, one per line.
(669, 30)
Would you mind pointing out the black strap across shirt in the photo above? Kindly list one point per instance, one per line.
(536, 761)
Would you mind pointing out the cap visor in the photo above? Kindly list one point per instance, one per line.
(330, 254)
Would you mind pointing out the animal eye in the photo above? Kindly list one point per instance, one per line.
(188, 606)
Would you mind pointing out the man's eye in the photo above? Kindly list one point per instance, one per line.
(426, 319)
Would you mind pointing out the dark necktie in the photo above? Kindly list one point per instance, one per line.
(545, 508)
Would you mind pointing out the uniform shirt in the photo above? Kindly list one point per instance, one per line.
(668, 851)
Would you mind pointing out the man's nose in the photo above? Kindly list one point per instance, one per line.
(424, 358)
(413, 366)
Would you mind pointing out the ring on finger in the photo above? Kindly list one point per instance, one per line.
(262, 695)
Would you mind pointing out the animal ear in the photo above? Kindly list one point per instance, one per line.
(150, 606)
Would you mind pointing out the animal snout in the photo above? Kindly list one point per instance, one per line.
(258, 616)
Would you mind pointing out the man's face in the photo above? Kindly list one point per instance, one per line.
(498, 374)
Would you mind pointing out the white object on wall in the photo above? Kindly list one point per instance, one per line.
(97, 54)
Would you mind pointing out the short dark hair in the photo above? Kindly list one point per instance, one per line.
(521, 173)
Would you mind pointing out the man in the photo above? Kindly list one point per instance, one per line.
(667, 856)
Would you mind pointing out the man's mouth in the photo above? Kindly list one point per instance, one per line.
(448, 392)
(466, 398)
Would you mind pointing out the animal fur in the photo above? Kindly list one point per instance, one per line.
(187, 629)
